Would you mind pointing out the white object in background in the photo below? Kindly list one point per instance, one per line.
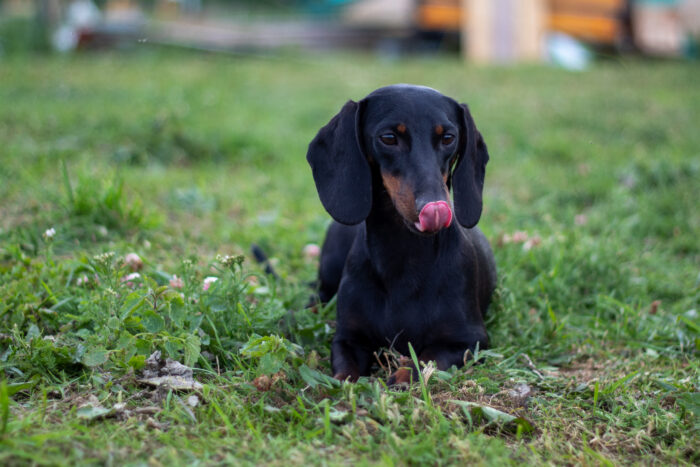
(80, 15)
(65, 38)
(565, 51)
(83, 14)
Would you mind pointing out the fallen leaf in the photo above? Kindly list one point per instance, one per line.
(178, 383)
(168, 373)
(90, 412)
(472, 409)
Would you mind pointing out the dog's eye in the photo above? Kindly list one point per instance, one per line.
(388, 139)
(447, 138)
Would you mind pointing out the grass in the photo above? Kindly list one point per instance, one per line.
(590, 204)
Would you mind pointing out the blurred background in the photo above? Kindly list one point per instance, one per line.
(563, 32)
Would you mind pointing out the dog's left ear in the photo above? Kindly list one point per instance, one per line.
(468, 175)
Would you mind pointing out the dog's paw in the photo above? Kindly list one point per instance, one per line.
(402, 376)
(346, 376)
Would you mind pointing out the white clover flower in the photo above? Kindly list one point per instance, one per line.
(104, 258)
(130, 279)
(133, 261)
(531, 243)
(520, 237)
(177, 282)
(86, 281)
(311, 251)
(49, 234)
(229, 260)
(208, 281)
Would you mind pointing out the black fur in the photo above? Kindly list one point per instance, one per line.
(262, 258)
(340, 169)
(397, 285)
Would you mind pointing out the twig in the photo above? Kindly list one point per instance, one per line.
(531, 366)
(379, 362)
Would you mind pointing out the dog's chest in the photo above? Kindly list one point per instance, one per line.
(422, 317)
(419, 296)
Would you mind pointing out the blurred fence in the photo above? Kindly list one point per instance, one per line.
(484, 30)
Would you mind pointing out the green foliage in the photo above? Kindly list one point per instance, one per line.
(99, 203)
(112, 318)
(164, 141)
(21, 36)
(271, 352)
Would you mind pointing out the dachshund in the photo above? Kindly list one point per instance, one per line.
(407, 263)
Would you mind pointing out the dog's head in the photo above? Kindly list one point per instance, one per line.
(419, 141)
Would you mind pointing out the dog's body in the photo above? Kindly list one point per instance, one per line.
(403, 271)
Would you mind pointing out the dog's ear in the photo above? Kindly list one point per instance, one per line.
(468, 175)
(341, 171)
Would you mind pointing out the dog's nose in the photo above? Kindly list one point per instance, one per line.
(434, 216)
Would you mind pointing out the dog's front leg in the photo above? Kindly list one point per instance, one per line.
(447, 354)
(348, 361)
(444, 358)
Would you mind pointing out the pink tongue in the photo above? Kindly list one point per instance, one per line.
(434, 216)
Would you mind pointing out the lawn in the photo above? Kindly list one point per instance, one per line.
(591, 205)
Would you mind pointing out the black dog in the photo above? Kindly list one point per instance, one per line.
(404, 272)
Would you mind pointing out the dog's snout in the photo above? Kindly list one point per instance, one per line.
(434, 216)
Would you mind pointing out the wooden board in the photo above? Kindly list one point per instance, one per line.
(439, 17)
(594, 21)
(599, 29)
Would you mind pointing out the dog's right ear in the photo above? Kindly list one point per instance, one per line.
(340, 169)
(468, 175)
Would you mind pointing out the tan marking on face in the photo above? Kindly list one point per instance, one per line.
(401, 195)
(447, 191)
(401, 128)
(439, 130)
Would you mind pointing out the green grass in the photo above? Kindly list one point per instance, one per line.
(180, 158)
